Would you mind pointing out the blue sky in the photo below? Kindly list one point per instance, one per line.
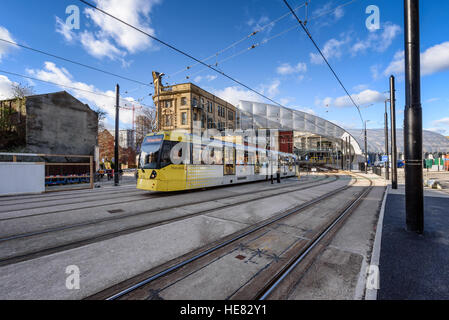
(284, 66)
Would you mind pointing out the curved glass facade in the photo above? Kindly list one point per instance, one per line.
(432, 142)
(256, 115)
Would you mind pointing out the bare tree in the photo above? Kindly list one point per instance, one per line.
(101, 117)
(20, 91)
(146, 122)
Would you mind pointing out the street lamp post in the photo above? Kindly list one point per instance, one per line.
(394, 151)
(366, 150)
(117, 131)
(414, 190)
(387, 164)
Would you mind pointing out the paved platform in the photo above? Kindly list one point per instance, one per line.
(412, 266)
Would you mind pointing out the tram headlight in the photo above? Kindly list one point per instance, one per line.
(153, 174)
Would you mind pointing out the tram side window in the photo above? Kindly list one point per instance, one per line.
(166, 151)
(229, 161)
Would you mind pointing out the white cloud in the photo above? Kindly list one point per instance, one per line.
(397, 65)
(285, 101)
(339, 13)
(286, 68)
(5, 88)
(112, 38)
(263, 22)
(375, 71)
(442, 122)
(433, 100)
(63, 28)
(303, 109)
(104, 100)
(332, 48)
(344, 125)
(336, 15)
(4, 47)
(433, 60)
(442, 131)
(99, 48)
(363, 98)
(378, 41)
(209, 78)
(234, 94)
(360, 87)
(271, 89)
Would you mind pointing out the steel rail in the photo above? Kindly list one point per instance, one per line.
(149, 225)
(227, 242)
(290, 267)
(157, 195)
(127, 230)
(107, 196)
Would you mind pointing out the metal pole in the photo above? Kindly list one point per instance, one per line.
(394, 151)
(346, 153)
(414, 189)
(366, 152)
(350, 154)
(387, 163)
(117, 128)
(342, 155)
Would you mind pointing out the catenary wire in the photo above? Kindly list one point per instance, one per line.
(74, 62)
(188, 55)
(70, 87)
(322, 55)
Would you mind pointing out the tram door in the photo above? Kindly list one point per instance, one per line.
(229, 161)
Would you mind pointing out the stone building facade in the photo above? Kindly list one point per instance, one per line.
(178, 106)
(54, 123)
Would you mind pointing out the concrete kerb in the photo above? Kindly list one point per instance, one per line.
(371, 293)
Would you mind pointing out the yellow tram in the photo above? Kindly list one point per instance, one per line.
(178, 160)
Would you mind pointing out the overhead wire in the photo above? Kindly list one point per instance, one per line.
(324, 58)
(189, 55)
(69, 87)
(179, 51)
(74, 62)
(220, 52)
(265, 41)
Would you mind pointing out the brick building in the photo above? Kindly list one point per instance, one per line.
(53, 123)
(179, 105)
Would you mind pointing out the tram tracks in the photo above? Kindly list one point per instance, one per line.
(143, 286)
(28, 248)
(147, 196)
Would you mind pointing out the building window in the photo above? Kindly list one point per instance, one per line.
(230, 115)
(183, 101)
(195, 117)
(210, 123)
(194, 102)
(184, 118)
(210, 107)
(168, 104)
(221, 111)
(203, 104)
(221, 125)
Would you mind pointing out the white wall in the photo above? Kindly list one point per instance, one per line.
(21, 177)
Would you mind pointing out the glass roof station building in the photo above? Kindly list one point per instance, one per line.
(433, 143)
(317, 140)
(314, 139)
